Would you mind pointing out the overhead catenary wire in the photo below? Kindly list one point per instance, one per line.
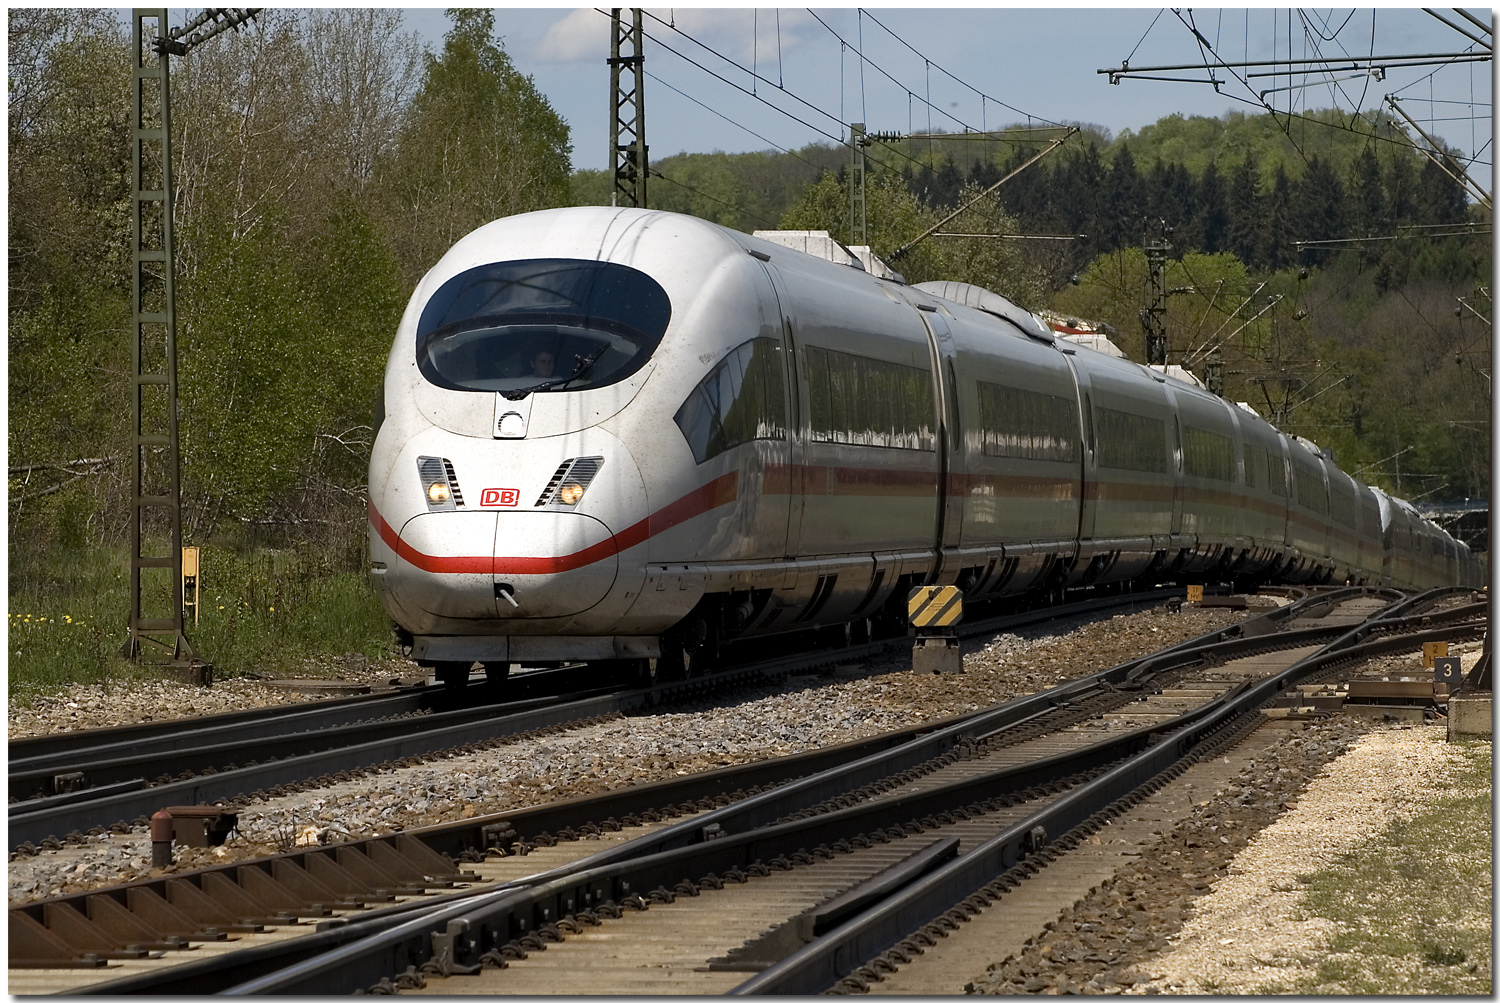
(840, 139)
(713, 198)
(955, 79)
(739, 125)
(1457, 27)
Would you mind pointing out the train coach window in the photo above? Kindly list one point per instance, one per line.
(1309, 483)
(1207, 454)
(742, 398)
(1027, 425)
(1131, 441)
(869, 402)
(1276, 473)
(544, 324)
(1343, 501)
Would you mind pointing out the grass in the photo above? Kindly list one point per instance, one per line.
(263, 613)
(1413, 907)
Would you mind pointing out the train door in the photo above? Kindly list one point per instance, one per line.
(948, 532)
(781, 485)
(1179, 488)
(1089, 487)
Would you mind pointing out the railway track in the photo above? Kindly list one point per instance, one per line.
(1006, 783)
(72, 784)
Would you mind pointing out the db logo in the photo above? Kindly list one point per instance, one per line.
(501, 497)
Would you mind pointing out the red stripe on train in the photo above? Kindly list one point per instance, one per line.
(710, 496)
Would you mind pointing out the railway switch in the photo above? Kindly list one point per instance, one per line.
(934, 612)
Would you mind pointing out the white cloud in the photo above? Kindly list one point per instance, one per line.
(581, 36)
(740, 33)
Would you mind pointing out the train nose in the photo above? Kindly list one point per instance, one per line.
(508, 564)
(551, 563)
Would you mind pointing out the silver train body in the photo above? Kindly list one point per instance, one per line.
(606, 430)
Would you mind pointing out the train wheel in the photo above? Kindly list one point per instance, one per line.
(495, 673)
(453, 675)
(631, 671)
(675, 662)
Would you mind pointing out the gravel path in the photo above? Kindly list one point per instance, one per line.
(1249, 931)
(797, 714)
(1213, 906)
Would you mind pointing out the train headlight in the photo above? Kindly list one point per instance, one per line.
(439, 483)
(570, 481)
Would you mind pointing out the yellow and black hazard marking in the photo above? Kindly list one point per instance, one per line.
(935, 606)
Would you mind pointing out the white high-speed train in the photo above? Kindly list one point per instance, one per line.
(615, 434)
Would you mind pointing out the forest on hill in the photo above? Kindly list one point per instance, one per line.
(312, 198)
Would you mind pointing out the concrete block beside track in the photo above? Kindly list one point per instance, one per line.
(1471, 716)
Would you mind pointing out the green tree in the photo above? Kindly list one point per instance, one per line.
(1276, 240)
(478, 142)
(1317, 209)
(896, 217)
(1243, 235)
(68, 308)
(1212, 216)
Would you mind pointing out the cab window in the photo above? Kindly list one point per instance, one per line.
(543, 324)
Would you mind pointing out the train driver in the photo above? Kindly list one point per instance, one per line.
(542, 364)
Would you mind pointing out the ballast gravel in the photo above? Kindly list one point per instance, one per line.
(123, 702)
(1215, 906)
(797, 714)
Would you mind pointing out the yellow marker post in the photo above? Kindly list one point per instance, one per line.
(1195, 593)
(935, 606)
(1432, 650)
(190, 581)
(933, 611)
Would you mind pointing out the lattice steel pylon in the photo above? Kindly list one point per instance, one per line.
(627, 111)
(156, 613)
(155, 461)
(859, 230)
(1154, 316)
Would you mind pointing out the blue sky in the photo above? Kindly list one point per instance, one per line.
(1041, 62)
(960, 67)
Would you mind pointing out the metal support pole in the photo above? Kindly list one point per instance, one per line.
(627, 111)
(1154, 316)
(156, 618)
(859, 234)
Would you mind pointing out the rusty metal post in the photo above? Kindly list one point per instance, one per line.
(161, 839)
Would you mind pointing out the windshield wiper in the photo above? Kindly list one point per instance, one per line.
(584, 365)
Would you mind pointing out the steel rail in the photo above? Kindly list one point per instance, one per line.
(824, 962)
(155, 732)
(213, 756)
(399, 943)
(471, 836)
(454, 935)
(35, 826)
(124, 793)
(61, 750)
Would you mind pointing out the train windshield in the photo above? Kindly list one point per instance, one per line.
(540, 325)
